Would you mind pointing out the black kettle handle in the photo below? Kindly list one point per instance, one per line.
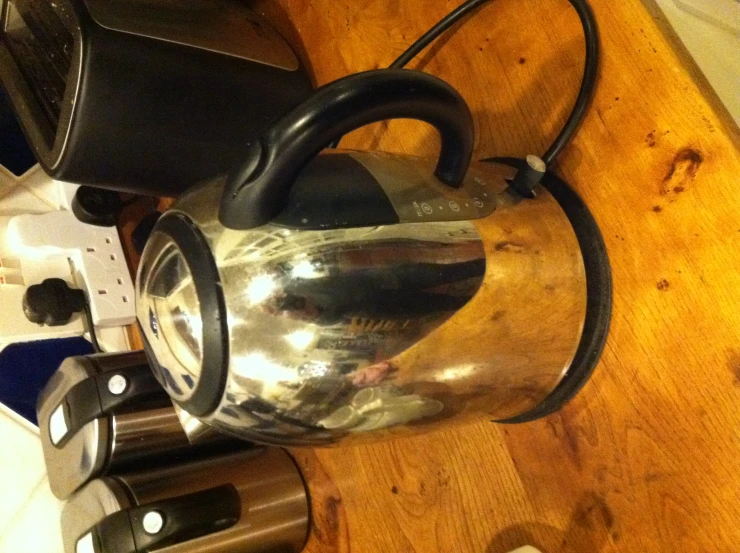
(259, 189)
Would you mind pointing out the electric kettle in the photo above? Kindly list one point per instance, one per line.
(106, 413)
(333, 297)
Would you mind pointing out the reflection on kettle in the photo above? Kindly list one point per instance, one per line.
(381, 407)
(318, 299)
(406, 291)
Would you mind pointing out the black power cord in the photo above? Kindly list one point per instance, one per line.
(433, 34)
(590, 70)
(91, 328)
(588, 81)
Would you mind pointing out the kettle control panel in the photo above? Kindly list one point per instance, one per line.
(348, 189)
(418, 196)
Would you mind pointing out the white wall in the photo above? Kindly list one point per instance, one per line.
(715, 49)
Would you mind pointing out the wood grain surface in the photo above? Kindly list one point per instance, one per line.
(647, 456)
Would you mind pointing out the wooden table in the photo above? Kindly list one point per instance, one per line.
(647, 457)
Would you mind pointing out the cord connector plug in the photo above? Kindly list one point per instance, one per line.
(528, 177)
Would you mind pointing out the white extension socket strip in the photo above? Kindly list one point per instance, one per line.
(95, 252)
(31, 197)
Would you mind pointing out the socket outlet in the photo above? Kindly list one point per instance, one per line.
(96, 254)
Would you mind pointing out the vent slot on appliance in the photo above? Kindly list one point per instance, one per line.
(42, 48)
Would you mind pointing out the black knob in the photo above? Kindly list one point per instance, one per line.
(96, 206)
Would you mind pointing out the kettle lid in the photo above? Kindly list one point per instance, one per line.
(182, 314)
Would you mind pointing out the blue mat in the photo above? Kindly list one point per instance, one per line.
(25, 369)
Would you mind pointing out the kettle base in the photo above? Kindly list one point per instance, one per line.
(598, 302)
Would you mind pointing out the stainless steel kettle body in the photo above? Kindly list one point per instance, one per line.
(378, 296)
